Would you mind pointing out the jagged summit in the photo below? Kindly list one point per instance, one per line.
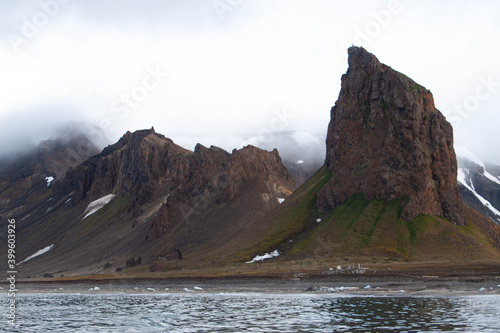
(359, 57)
(387, 140)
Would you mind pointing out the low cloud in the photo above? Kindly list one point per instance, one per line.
(26, 128)
(229, 70)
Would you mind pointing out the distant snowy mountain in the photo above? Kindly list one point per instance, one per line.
(479, 183)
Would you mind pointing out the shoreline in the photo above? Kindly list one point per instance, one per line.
(340, 285)
(397, 279)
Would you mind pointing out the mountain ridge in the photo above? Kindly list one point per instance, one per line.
(151, 198)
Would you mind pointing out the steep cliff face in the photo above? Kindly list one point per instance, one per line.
(387, 140)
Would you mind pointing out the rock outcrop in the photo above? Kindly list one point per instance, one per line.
(152, 171)
(164, 199)
(138, 166)
(215, 177)
(387, 140)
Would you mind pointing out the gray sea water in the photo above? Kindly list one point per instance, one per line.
(204, 312)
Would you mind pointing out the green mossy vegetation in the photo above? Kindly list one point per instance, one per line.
(383, 104)
(294, 214)
(360, 228)
(414, 86)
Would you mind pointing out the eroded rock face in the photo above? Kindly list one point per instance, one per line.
(176, 190)
(138, 166)
(215, 177)
(387, 140)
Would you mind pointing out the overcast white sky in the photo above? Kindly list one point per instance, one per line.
(221, 71)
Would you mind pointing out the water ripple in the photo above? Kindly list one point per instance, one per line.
(252, 313)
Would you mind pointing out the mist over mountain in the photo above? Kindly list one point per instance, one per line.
(293, 145)
(25, 132)
(303, 153)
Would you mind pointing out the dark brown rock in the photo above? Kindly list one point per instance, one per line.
(173, 255)
(130, 262)
(166, 197)
(214, 178)
(136, 166)
(155, 267)
(387, 140)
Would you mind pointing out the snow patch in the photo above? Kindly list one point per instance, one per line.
(318, 220)
(462, 180)
(49, 180)
(280, 200)
(467, 154)
(491, 177)
(461, 176)
(36, 254)
(299, 162)
(273, 254)
(95, 205)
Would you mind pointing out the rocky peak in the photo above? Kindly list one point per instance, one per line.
(209, 159)
(251, 161)
(216, 177)
(135, 166)
(386, 139)
(359, 58)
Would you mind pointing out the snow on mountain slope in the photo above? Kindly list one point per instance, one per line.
(464, 153)
(37, 253)
(480, 179)
(95, 205)
(462, 180)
